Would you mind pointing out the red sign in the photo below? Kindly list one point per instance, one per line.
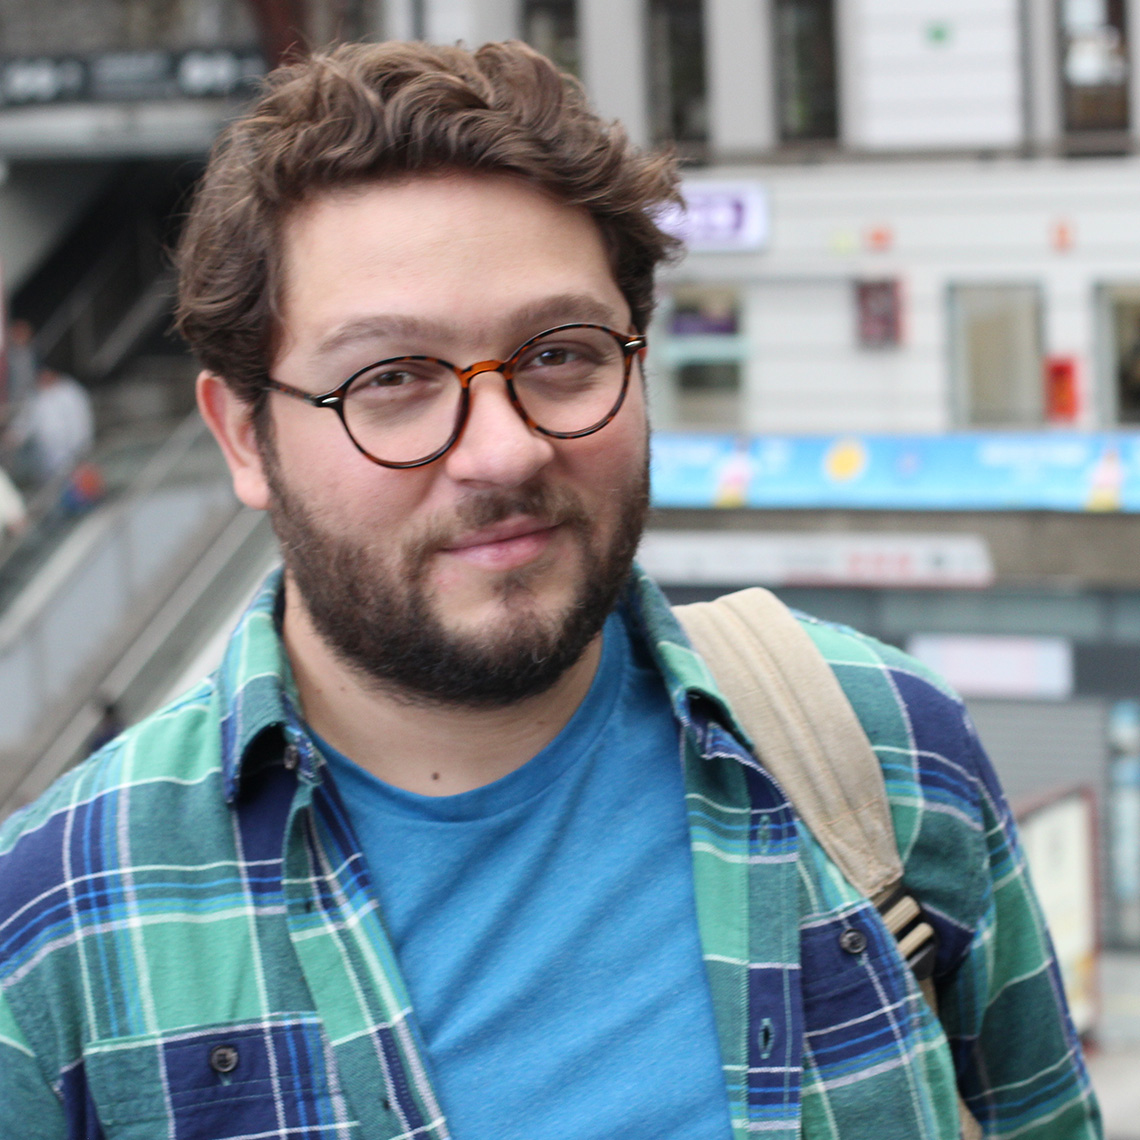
(1062, 397)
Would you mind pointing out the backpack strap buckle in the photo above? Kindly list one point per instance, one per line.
(916, 938)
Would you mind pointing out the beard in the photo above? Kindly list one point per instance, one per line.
(378, 616)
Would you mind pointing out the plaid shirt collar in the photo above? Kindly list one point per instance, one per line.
(259, 710)
(259, 704)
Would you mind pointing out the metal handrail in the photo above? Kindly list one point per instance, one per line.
(45, 502)
(36, 509)
(180, 443)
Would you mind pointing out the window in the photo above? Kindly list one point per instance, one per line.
(705, 353)
(1094, 66)
(678, 92)
(1123, 310)
(551, 27)
(997, 355)
(805, 59)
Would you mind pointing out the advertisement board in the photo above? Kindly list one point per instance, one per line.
(1058, 835)
(1050, 470)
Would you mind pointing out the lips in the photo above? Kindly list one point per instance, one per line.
(505, 545)
(505, 531)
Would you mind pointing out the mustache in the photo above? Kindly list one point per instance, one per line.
(554, 506)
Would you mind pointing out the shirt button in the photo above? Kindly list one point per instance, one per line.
(853, 941)
(223, 1058)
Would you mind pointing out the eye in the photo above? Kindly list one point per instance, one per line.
(563, 356)
(401, 377)
(389, 378)
(552, 356)
(396, 375)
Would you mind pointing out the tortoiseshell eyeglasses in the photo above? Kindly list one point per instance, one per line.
(566, 382)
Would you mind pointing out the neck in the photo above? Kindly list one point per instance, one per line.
(433, 749)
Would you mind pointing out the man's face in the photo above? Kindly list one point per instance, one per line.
(480, 577)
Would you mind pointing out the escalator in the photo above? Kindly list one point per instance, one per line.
(124, 603)
(106, 602)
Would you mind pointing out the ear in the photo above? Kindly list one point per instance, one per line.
(231, 421)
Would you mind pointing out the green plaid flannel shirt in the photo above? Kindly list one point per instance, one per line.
(190, 946)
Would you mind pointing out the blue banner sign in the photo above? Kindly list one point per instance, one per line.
(980, 471)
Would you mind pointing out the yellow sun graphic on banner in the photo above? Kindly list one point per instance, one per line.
(845, 460)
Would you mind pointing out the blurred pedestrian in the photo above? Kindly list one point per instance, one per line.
(23, 367)
(109, 726)
(12, 513)
(56, 425)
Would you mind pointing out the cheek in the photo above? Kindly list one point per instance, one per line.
(618, 454)
(352, 498)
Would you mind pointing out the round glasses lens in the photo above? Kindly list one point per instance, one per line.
(401, 411)
(570, 380)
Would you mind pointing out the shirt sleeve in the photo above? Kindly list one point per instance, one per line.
(29, 1107)
(1018, 1058)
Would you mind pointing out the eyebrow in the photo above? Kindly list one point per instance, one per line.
(564, 308)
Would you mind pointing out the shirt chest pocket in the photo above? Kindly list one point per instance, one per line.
(220, 1082)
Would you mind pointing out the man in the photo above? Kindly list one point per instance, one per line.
(22, 368)
(56, 424)
(13, 513)
(461, 840)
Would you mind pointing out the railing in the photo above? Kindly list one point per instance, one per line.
(48, 521)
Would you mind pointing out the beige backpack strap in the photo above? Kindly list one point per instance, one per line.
(806, 734)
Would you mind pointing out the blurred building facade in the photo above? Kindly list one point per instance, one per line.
(907, 219)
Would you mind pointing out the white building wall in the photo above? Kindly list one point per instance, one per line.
(915, 75)
(1042, 81)
(612, 38)
(945, 223)
(742, 113)
(921, 74)
(805, 374)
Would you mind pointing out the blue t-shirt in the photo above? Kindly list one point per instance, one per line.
(546, 928)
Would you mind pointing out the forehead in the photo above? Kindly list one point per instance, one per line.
(463, 250)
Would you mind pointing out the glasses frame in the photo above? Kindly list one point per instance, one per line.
(630, 346)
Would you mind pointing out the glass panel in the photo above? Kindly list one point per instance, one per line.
(551, 27)
(704, 310)
(1094, 65)
(997, 354)
(805, 59)
(709, 394)
(678, 94)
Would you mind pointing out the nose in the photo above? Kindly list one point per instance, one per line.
(497, 447)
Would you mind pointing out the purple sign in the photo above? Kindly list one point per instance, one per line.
(720, 216)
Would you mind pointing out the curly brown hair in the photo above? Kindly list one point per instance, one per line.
(368, 111)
